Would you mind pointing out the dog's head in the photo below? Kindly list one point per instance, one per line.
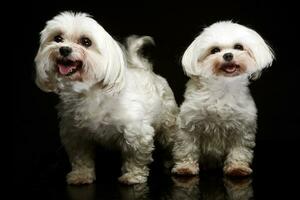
(75, 48)
(227, 49)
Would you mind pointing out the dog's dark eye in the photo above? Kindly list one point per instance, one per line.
(215, 50)
(58, 39)
(238, 47)
(85, 42)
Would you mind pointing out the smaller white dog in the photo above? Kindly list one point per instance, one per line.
(108, 96)
(217, 120)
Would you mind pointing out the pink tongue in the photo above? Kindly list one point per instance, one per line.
(65, 69)
(230, 69)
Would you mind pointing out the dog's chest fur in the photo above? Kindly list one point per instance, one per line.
(219, 114)
(94, 113)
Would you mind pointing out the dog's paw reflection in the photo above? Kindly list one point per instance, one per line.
(134, 192)
(84, 192)
(238, 189)
(184, 188)
(185, 182)
(210, 188)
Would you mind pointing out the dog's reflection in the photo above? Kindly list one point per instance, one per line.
(183, 188)
(118, 191)
(85, 192)
(134, 192)
(239, 189)
(210, 188)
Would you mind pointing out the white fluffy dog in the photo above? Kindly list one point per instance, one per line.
(217, 120)
(107, 96)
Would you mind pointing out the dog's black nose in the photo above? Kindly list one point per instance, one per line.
(65, 51)
(228, 57)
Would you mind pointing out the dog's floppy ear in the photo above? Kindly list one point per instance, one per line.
(190, 59)
(42, 78)
(262, 54)
(110, 75)
(115, 66)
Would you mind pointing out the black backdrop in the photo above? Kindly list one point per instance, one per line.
(173, 27)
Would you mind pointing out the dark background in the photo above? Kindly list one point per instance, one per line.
(40, 162)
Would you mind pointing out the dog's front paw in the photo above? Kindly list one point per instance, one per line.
(186, 169)
(80, 177)
(131, 178)
(237, 170)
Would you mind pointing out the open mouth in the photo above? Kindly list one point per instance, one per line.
(67, 67)
(230, 68)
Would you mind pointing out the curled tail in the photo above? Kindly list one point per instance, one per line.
(134, 44)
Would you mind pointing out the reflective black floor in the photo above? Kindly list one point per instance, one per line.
(210, 187)
(275, 177)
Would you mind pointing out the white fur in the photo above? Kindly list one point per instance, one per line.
(226, 34)
(217, 120)
(116, 100)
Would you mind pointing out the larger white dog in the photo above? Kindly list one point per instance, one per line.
(217, 120)
(108, 96)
